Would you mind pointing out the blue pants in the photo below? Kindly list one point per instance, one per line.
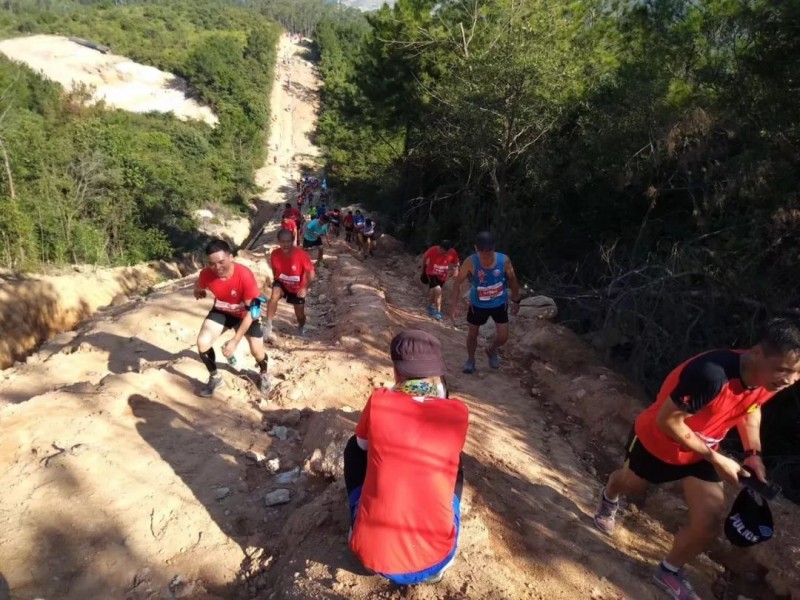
(353, 499)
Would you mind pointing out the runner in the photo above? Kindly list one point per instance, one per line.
(437, 264)
(492, 275)
(297, 216)
(335, 218)
(358, 227)
(322, 209)
(313, 234)
(349, 228)
(677, 439)
(235, 294)
(368, 238)
(402, 468)
(290, 225)
(293, 273)
(312, 212)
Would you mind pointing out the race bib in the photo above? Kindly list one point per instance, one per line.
(290, 279)
(490, 292)
(439, 269)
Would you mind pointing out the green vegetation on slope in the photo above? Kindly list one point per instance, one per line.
(638, 160)
(109, 187)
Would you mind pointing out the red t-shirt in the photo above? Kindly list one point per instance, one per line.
(292, 213)
(289, 224)
(292, 270)
(348, 220)
(709, 387)
(231, 295)
(404, 522)
(438, 262)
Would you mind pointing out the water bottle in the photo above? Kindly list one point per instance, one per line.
(232, 361)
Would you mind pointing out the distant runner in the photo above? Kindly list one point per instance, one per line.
(335, 218)
(235, 292)
(349, 228)
(293, 273)
(313, 234)
(492, 276)
(438, 263)
(296, 215)
(368, 238)
(402, 468)
(677, 439)
(358, 226)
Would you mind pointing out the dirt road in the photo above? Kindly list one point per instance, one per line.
(120, 482)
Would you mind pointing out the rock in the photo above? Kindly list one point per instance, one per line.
(119, 299)
(580, 394)
(254, 456)
(280, 496)
(347, 409)
(263, 405)
(535, 392)
(322, 298)
(273, 465)
(280, 432)
(538, 307)
(287, 476)
(290, 418)
(222, 493)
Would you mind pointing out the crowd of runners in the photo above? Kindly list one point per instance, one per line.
(405, 505)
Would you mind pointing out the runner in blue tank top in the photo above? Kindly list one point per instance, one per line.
(492, 278)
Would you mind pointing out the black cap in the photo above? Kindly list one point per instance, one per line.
(484, 241)
(446, 245)
(750, 520)
(417, 354)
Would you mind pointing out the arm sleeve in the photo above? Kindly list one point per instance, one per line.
(699, 384)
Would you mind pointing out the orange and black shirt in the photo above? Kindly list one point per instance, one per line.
(708, 387)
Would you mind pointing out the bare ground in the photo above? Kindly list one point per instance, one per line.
(120, 482)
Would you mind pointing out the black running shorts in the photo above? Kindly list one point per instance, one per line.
(478, 316)
(309, 244)
(655, 471)
(289, 296)
(231, 322)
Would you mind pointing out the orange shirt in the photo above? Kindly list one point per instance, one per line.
(404, 522)
(709, 387)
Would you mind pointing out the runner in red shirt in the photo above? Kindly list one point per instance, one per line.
(288, 224)
(236, 299)
(293, 273)
(402, 469)
(677, 438)
(349, 228)
(437, 264)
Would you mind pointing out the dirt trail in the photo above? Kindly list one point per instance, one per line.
(120, 482)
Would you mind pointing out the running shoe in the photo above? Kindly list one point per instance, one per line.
(214, 382)
(301, 332)
(494, 359)
(469, 366)
(605, 517)
(675, 584)
(437, 315)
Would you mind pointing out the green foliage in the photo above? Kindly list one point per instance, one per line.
(649, 142)
(105, 186)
